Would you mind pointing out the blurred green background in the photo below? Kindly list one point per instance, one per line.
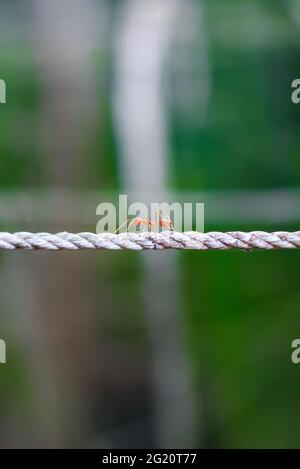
(189, 98)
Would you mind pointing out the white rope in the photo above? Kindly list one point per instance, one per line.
(148, 240)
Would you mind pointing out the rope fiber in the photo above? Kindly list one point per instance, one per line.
(151, 240)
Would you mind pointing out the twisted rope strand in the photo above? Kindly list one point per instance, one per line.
(147, 240)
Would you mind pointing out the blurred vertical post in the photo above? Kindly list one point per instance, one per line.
(54, 307)
(143, 41)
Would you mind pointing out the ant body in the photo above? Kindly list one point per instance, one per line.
(146, 222)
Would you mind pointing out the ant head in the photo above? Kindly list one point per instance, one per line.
(161, 216)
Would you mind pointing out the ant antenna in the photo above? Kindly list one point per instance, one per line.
(123, 224)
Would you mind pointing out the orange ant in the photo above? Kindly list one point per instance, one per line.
(146, 222)
(164, 222)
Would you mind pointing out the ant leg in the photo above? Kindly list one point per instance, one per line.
(165, 221)
(145, 223)
(158, 214)
(169, 221)
(131, 223)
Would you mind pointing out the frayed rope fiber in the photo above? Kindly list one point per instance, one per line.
(150, 240)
